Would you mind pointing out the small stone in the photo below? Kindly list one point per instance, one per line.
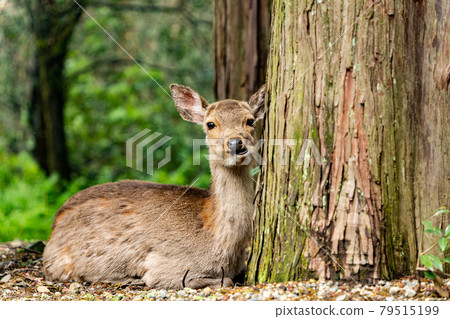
(341, 297)
(138, 298)
(118, 297)
(49, 283)
(394, 290)
(75, 287)
(358, 286)
(206, 292)
(163, 294)
(300, 290)
(388, 284)
(334, 288)
(6, 278)
(267, 294)
(409, 292)
(182, 293)
(330, 283)
(381, 283)
(42, 289)
(4, 256)
(57, 293)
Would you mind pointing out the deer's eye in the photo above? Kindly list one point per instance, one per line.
(210, 125)
(250, 122)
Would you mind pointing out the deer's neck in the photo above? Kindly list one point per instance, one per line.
(231, 206)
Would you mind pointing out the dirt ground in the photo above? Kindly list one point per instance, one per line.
(22, 278)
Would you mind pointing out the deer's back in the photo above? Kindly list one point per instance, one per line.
(111, 228)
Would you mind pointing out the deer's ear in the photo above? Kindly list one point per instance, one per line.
(257, 102)
(189, 103)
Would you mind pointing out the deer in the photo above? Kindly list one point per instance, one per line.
(167, 236)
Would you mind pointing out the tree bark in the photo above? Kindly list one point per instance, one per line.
(241, 34)
(53, 24)
(368, 83)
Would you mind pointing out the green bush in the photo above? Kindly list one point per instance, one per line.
(432, 261)
(28, 199)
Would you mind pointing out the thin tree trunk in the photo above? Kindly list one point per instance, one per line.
(48, 100)
(374, 100)
(240, 47)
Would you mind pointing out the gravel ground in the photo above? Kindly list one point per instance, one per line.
(21, 278)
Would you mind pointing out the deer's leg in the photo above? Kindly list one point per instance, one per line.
(214, 283)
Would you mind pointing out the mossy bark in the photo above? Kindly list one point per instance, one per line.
(368, 83)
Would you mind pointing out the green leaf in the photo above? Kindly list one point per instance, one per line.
(437, 263)
(442, 211)
(447, 231)
(426, 261)
(446, 260)
(428, 224)
(429, 275)
(442, 244)
(435, 231)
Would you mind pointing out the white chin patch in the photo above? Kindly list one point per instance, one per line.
(237, 160)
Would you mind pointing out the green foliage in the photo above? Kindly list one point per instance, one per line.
(28, 199)
(110, 104)
(430, 261)
(430, 275)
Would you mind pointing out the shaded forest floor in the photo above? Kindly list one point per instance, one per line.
(21, 278)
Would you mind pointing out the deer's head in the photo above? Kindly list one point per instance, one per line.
(229, 124)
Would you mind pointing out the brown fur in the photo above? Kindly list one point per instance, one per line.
(117, 232)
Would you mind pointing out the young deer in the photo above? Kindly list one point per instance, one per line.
(168, 236)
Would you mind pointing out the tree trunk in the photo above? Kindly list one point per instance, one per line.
(52, 25)
(241, 34)
(48, 100)
(372, 94)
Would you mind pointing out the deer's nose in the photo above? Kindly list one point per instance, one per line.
(236, 146)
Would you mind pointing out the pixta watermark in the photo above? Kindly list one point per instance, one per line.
(141, 149)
